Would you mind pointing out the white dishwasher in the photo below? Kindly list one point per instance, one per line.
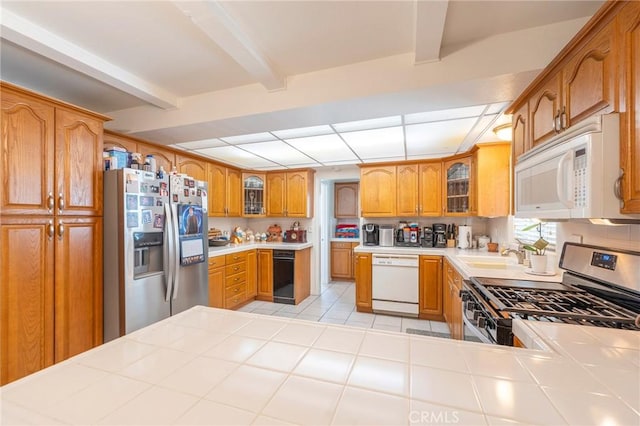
(395, 283)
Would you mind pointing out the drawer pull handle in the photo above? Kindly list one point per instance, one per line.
(236, 268)
(236, 290)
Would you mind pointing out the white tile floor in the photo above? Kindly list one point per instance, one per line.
(336, 305)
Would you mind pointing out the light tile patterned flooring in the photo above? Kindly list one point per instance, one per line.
(336, 305)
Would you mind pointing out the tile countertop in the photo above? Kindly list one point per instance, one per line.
(212, 366)
(454, 255)
(234, 248)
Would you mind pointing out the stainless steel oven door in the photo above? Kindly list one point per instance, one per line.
(472, 332)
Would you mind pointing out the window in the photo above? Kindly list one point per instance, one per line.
(531, 236)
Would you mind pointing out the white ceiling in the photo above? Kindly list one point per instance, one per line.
(272, 84)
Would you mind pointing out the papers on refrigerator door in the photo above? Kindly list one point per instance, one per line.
(191, 250)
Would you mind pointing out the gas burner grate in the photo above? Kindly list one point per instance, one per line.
(569, 305)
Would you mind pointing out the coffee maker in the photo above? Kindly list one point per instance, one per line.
(440, 235)
(370, 234)
(427, 237)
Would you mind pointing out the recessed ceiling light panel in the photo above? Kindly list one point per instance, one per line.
(303, 132)
(278, 152)
(445, 114)
(324, 148)
(378, 143)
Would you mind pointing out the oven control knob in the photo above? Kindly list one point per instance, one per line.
(481, 322)
(464, 295)
(470, 305)
(476, 315)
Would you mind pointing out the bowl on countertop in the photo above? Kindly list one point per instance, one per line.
(218, 243)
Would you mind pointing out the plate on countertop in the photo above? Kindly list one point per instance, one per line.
(542, 274)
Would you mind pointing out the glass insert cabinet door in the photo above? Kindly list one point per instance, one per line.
(253, 195)
(458, 174)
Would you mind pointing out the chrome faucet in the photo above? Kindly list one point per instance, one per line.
(519, 254)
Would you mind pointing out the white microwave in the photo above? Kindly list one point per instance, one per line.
(574, 175)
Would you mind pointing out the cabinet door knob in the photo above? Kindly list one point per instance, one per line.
(60, 202)
(60, 229)
(50, 229)
(563, 118)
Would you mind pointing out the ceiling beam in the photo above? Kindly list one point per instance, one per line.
(214, 20)
(430, 19)
(32, 37)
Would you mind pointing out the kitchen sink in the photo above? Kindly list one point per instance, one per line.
(489, 262)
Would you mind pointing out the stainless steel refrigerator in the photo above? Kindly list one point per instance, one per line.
(155, 248)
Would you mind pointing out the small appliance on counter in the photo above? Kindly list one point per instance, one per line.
(427, 237)
(440, 235)
(386, 235)
(370, 234)
(464, 237)
(408, 235)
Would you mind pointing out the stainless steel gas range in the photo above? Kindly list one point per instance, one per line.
(600, 287)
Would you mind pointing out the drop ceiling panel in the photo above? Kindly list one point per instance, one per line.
(445, 114)
(278, 152)
(251, 138)
(303, 132)
(376, 123)
(325, 149)
(442, 136)
(378, 143)
(236, 156)
(205, 143)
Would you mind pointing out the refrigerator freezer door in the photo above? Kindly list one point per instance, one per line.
(191, 275)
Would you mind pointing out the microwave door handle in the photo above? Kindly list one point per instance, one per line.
(564, 181)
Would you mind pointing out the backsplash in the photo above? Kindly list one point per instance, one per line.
(256, 225)
(618, 236)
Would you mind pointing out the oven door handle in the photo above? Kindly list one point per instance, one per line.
(472, 328)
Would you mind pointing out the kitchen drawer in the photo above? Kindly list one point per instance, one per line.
(341, 245)
(235, 268)
(234, 290)
(234, 279)
(236, 257)
(235, 299)
(215, 262)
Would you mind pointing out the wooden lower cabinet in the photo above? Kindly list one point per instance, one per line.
(265, 275)
(430, 288)
(342, 261)
(50, 293)
(302, 275)
(216, 281)
(26, 298)
(252, 274)
(363, 282)
(452, 306)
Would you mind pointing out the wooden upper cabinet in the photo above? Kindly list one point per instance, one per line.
(407, 190)
(194, 168)
(520, 132)
(26, 155)
(290, 194)
(629, 24)
(253, 194)
(78, 164)
(164, 157)
(26, 297)
(589, 79)
(217, 182)
(78, 286)
(544, 107)
(276, 193)
(120, 141)
(345, 203)
(491, 182)
(234, 193)
(299, 194)
(430, 189)
(378, 191)
(457, 186)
